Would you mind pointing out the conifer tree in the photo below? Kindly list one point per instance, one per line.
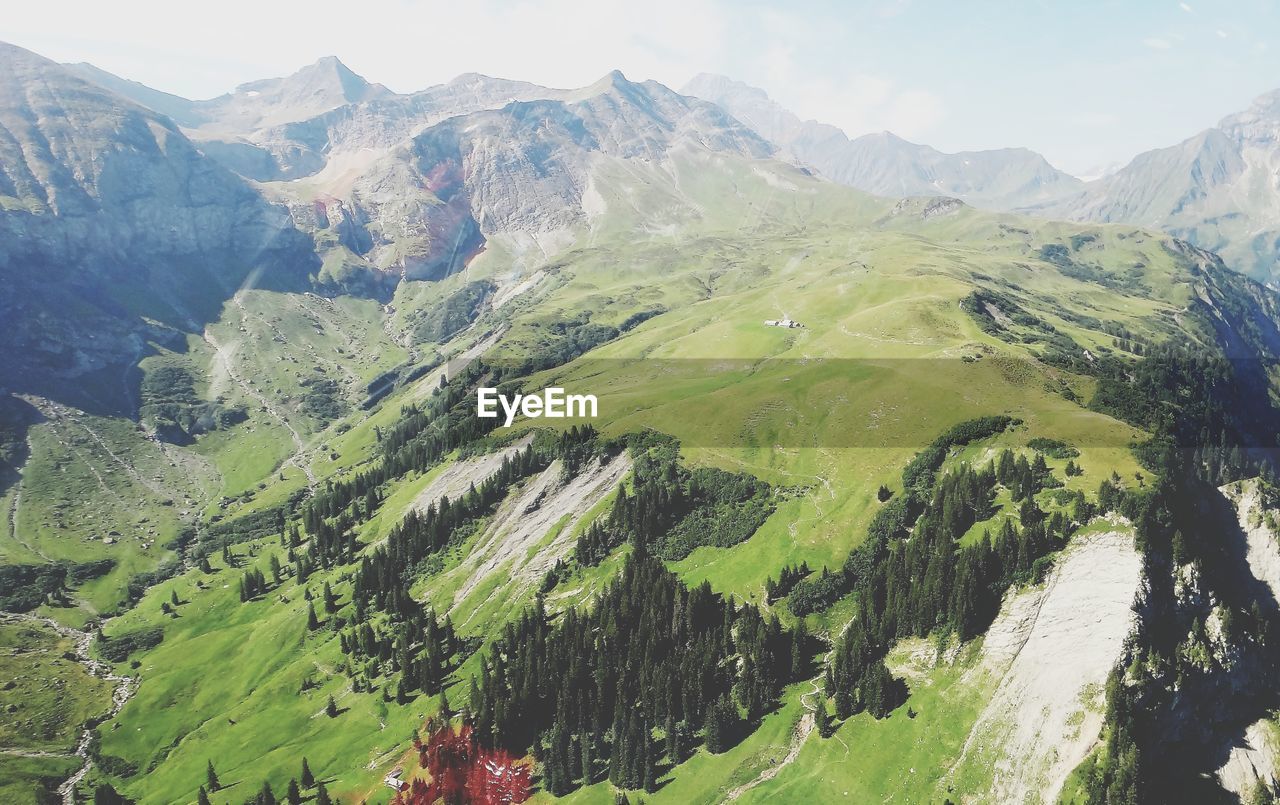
(202, 797)
(331, 708)
(294, 795)
(211, 777)
(820, 718)
(308, 780)
(322, 795)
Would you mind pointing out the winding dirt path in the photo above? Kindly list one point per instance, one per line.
(804, 728)
(223, 354)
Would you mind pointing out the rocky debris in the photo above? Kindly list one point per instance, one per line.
(124, 690)
(1048, 654)
(460, 476)
(511, 543)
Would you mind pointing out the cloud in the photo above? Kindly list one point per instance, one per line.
(1222, 34)
(863, 103)
(1185, 8)
(1155, 43)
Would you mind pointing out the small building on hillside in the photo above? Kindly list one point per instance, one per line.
(787, 322)
(395, 779)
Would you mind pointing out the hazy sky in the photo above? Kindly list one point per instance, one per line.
(1084, 83)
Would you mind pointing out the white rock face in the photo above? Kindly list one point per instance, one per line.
(1251, 757)
(1262, 548)
(1048, 655)
(512, 544)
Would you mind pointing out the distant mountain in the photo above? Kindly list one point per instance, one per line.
(114, 229)
(524, 173)
(313, 90)
(1219, 189)
(887, 165)
(287, 128)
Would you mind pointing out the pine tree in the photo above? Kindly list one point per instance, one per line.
(313, 622)
(446, 712)
(330, 601)
(331, 708)
(820, 718)
(721, 725)
(308, 780)
(266, 796)
(294, 795)
(104, 794)
(650, 773)
(202, 797)
(322, 796)
(211, 777)
(173, 597)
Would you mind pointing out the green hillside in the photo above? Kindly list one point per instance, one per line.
(914, 320)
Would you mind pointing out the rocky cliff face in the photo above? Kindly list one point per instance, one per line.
(521, 173)
(113, 226)
(887, 165)
(288, 128)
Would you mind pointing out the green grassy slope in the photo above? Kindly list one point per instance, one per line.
(887, 359)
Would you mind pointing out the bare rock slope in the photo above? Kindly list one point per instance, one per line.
(1048, 655)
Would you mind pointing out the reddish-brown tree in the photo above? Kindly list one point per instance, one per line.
(465, 773)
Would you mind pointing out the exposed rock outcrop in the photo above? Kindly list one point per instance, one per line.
(1048, 655)
(114, 228)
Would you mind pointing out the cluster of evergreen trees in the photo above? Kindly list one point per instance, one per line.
(672, 510)
(422, 648)
(1213, 422)
(591, 693)
(894, 518)
(788, 578)
(252, 584)
(418, 440)
(929, 582)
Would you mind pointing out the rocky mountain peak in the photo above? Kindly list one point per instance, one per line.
(327, 81)
(1259, 124)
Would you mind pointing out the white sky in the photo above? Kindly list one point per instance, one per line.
(1086, 83)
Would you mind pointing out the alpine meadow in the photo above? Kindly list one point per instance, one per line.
(494, 443)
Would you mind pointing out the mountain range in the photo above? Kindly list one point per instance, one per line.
(1219, 189)
(991, 516)
(887, 165)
